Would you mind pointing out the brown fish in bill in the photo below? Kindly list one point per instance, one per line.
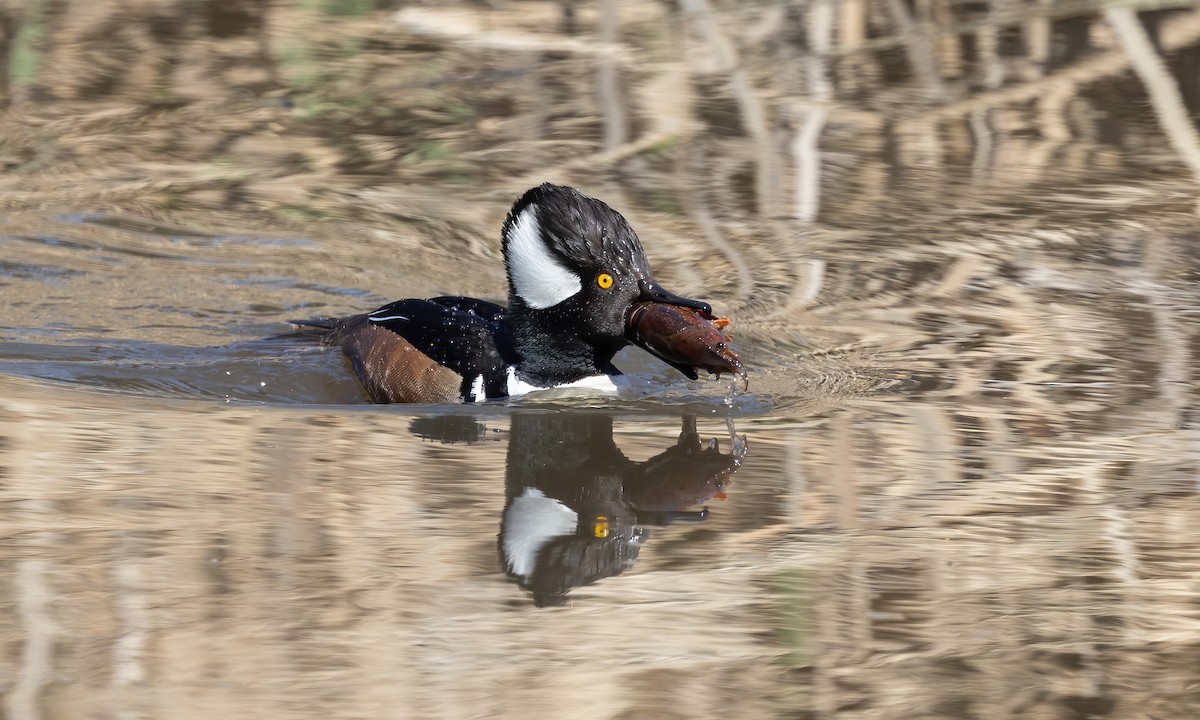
(686, 339)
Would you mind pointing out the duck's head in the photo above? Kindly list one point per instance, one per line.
(575, 267)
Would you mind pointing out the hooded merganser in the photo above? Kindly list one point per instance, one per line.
(575, 268)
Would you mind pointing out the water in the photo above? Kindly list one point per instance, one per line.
(968, 483)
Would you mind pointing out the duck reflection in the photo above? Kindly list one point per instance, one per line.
(577, 510)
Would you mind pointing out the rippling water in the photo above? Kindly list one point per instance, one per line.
(958, 245)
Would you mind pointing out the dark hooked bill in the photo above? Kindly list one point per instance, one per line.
(652, 292)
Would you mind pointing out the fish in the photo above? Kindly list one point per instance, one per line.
(686, 339)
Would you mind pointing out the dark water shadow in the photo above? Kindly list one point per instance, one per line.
(280, 370)
(257, 372)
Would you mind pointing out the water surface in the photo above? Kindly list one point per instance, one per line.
(958, 245)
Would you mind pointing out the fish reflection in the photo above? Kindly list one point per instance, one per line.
(577, 510)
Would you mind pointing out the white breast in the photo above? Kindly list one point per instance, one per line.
(593, 385)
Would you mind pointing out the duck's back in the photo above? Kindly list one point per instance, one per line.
(441, 350)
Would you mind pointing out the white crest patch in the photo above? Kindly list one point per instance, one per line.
(538, 277)
(531, 521)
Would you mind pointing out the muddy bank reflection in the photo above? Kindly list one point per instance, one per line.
(236, 559)
(184, 559)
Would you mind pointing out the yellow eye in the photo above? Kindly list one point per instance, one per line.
(604, 280)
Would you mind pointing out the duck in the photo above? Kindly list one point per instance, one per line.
(575, 268)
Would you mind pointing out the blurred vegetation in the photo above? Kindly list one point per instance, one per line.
(701, 106)
(795, 622)
(23, 58)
